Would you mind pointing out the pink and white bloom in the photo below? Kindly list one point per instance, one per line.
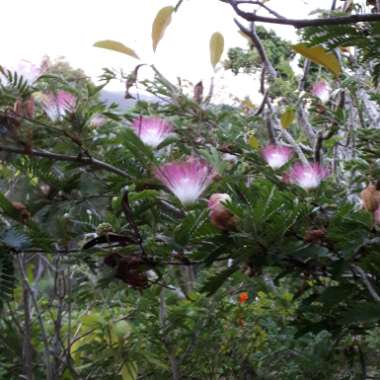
(57, 105)
(307, 176)
(151, 130)
(277, 155)
(97, 120)
(28, 70)
(321, 90)
(187, 180)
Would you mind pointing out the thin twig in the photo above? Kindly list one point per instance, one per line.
(366, 282)
(63, 157)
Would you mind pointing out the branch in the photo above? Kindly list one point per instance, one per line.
(260, 4)
(303, 23)
(63, 157)
(366, 282)
(259, 46)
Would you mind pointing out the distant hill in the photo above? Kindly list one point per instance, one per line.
(117, 97)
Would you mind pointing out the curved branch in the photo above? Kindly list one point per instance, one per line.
(303, 23)
(63, 157)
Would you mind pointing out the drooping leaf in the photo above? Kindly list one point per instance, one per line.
(116, 46)
(320, 56)
(216, 48)
(160, 23)
(287, 118)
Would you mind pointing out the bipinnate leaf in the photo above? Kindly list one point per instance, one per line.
(160, 23)
(320, 56)
(216, 48)
(116, 46)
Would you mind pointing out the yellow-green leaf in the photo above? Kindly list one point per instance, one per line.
(160, 23)
(116, 46)
(129, 371)
(253, 142)
(287, 118)
(216, 48)
(320, 56)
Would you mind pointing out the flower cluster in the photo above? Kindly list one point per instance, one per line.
(307, 176)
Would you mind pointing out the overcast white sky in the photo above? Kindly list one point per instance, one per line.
(30, 29)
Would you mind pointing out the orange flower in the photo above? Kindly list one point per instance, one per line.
(243, 297)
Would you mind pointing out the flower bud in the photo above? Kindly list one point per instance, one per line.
(371, 198)
(220, 216)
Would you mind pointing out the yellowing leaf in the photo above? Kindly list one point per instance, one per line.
(116, 46)
(253, 142)
(287, 118)
(321, 56)
(160, 23)
(216, 48)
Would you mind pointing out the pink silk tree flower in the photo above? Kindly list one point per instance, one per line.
(277, 155)
(321, 90)
(151, 130)
(307, 176)
(29, 71)
(187, 180)
(57, 105)
(97, 120)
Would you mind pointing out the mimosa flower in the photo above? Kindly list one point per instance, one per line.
(277, 155)
(307, 176)
(187, 180)
(151, 130)
(28, 70)
(57, 105)
(321, 90)
(97, 120)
